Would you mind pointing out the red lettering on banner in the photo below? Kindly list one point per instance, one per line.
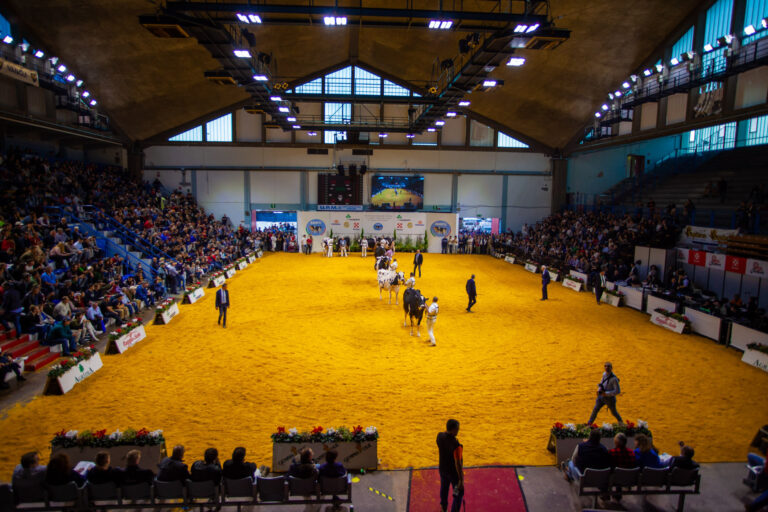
(399, 225)
(698, 258)
(357, 225)
(735, 264)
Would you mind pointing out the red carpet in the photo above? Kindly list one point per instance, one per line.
(486, 490)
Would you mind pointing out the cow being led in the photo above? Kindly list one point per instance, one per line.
(414, 304)
(391, 281)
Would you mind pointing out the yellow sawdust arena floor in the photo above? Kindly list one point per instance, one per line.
(310, 343)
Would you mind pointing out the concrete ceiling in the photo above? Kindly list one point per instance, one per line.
(149, 85)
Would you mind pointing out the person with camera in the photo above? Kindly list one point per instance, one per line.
(607, 390)
(451, 466)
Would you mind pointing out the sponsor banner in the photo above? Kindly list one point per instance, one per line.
(633, 297)
(735, 264)
(698, 258)
(653, 303)
(715, 261)
(216, 281)
(573, 285)
(195, 296)
(530, 267)
(250, 258)
(347, 224)
(757, 268)
(340, 207)
(581, 275)
(613, 300)
(20, 73)
(259, 254)
(667, 322)
(241, 265)
(756, 358)
(74, 375)
(230, 272)
(705, 237)
(682, 255)
(440, 229)
(315, 227)
(125, 342)
(167, 315)
(553, 275)
(509, 259)
(741, 336)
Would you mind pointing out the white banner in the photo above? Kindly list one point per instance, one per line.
(530, 267)
(705, 236)
(581, 275)
(633, 297)
(553, 275)
(216, 281)
(653, 303)
(340, 207)
(196, 295)
(509, 259)
(79, 373)
(682, 255)
(756, 358)
(703, 323)
(741, 336)
(241, 265)
(251, 258)
(573, 285)
(715, 261)
(125, 342)
(167, 315)
(667, 322)
(756, 268)
(230, 272)
(20, 73)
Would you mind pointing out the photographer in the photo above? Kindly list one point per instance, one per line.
(607, 391)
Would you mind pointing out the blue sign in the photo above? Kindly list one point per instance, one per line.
(440, 228)
(378, 226)
(340, 207)
(316, 227)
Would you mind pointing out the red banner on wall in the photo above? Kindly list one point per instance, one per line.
(697, 258)
(735, 264)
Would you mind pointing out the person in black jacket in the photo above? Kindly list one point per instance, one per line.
(132, 474)
(60, 471)
(102, 472)
(471, 293)
(236, 467)
(12, 307)
(173, 468)
(418, 259)
(303, 467)
(685, 459)
(207, 470)
(589, 454)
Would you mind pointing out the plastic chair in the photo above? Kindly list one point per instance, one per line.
(202, 493)
(756, 478)
(67, 494)
(29, 492)
(238, 492)
(137, 492)
(304, 487)
(102, 495)
(169, 490)
(625, 477)
(336, 486)
(654, 477)
(273, 490)
(596, 479)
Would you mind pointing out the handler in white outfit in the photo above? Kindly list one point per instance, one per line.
(411, 282)
(431, 319)
(364, 247)
(329, 247)
(393, 265)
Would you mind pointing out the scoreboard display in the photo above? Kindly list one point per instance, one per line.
(335, 189)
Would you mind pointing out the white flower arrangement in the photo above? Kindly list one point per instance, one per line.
(72, 434)
(116, 435)
(642, 424)
(571, 426)
(292, 432)
(370, 430)
(330, 431)
(607, 426)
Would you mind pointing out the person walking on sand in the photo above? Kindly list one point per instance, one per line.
(222, 304)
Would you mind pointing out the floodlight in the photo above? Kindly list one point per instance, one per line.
(291, 119)
(341, 20)
(489, 83)
(610, 95)
(764, 22)
(687, 56)
(659, 68)
(275, 98)
(521, 28)
(284, 109)
(647, 72)
(62, 68)
(749, 30)
(532, 28)
(383, 135)
(70, 78)
(464, 103)
(516, 61)
(617, 94)
(633, 78)
(296, 127)
(93, 103)
(430, 129)
(255, 18)
(445, 25)
(243, 54)
(708, 47)
(674, 61)
(24, 46)
(450, 114)
(598, 114)
(625, 85)
(434, 24)
(243, 18)
(329, 20)
(79, 83)
(54, 60)
(260, 78)
(604, 106)
(409, 135)
(8, 39)
(440, 24)
(312, 134)
(86, 94)
(439, 123)
(39, 54)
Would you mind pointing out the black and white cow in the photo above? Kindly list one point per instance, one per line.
(390, 281)
(414, 304)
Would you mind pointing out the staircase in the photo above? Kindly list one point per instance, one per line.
(35, 355)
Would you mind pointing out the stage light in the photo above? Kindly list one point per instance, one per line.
(625, 85)
(708, 47)
(242, 17)
(70, 78)
(86, 94)
(450, 114)
(532, 28)
(383, 135)
(659, 68)
(430, 129)
(62, 68)
(93, 103)
(312, 134)
(291, 119)
(276, 98)
(333, 20)
(439, 123)
(24, 46)
(440, 24)
(489, 83)
(764, 22)
(284, 109)
(516, 61)
(647, 72)
(7, 39)
(79, 83)
(464, 103)
(598, 114)
(243, 54)
(445, 25)
(617, 94)
(521, 28)
(255, 18)
(39, 54)
(54, 60)
(749, 30)
(610, 95)
(260, 78)
(675, 61)
(633, 78)
(296, 127)
(604, 106)
(409, 135)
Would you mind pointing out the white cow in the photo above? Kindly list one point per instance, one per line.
(391, 281)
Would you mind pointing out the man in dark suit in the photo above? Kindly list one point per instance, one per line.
(172, 468)
(418, 259)
(545, 279)
(472, 292)
(598, 284)
(222, 304)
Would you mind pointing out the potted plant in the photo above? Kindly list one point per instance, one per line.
(83, 446)
(756, 355)
(166, 310)
(357, 447)
(217, 279)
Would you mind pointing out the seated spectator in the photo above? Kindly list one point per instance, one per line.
(63, 309)
(237, 468)
(29, 470)
(303, 467)
(331, 468)
(207, 470)
(684, 460)
(8, 365)
(132, 474)
(589, 454)
(60, 471)
(173, 468)
(621, 456)
(61, 334)
(645, 455)
(102, 472)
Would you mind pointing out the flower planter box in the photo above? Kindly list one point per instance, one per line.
(613, 300)
(259, 254)
(230, 272)
(509, 259)
(756, 358)
(64, 383)
(216, 281)
(241, 265)
(553, 276)
(354, 455)
(150, 455)
(193, 297)
(126, 341)
(167, 315)
(573, 285)
(667, 322)
(530, 267)
(250, 258)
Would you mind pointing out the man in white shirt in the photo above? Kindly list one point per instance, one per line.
(364, 247)
(63, 309)
(411, 282)
(431, 319)
(343, 247)
(329, 247)
(393, 265)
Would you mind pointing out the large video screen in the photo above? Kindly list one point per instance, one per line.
(397, 192)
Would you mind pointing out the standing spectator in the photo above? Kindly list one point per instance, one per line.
(173, 468)
(12, 307)
(451, 466)
(363, 247)
(418, 259)
(444, 244)
(545, 278)
(208, 469)
(471, 292)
